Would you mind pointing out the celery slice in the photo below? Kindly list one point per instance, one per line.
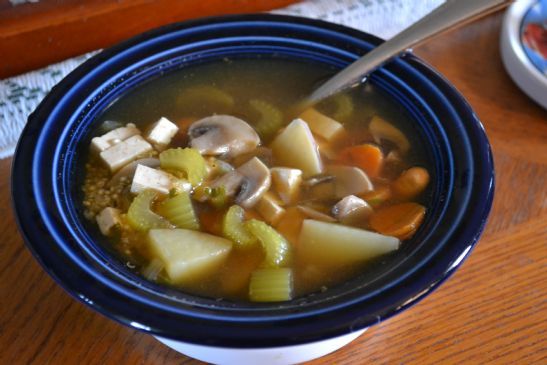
(139, 215)
(179, 211)
(187, 160)
(234, 229)
(276, 247)
(344, 107)
(339, 107)
(270, 120)
(271, 285)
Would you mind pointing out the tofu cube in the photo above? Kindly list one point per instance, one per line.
(161, 133)
(269, 207)
(124, 152)
(115, 136)
(286, 182)
(149, 178)
(107, 219)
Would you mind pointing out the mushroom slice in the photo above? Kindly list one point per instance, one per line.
(380, 129)
(247, 183)
(263, 153)
(349, 180)
(321, 187)
(352, 211)
(217, 167)
(222, 135)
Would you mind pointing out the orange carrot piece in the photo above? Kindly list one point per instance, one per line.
(400, 220)
(411, 183)
(367, 157)
(378, 196)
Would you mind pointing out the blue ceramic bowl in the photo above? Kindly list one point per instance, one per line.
(48, 165)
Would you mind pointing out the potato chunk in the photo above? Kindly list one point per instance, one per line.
(331, 243)
(323, 126)
(295, 147)
(188, 255)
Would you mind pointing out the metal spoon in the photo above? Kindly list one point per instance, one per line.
(451, 14)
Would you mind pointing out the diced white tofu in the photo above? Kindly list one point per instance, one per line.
(107, 219)
(115, 136)
(323, 126)
(161, 133)
(269, 207)
(287, 183)
(157, 180)
(124, 152)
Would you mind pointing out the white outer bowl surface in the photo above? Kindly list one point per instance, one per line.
(284, 355)
(516, 62)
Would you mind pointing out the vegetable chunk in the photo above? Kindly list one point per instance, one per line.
(188, 255)
(295, 147)
(331, 243)
(271, 285)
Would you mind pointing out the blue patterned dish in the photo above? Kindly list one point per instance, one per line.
(49, 159)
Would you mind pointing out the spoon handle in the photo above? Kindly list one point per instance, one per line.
(447, 16)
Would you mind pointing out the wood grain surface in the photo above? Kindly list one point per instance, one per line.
(492, 311)
(34, 35)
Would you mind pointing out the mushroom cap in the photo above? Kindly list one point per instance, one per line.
(248, 182)
(349, 180)
(257, 181)
(352, 210)
(222, 135)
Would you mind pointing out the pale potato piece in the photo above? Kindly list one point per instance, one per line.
(332, 243)
(286, 183)
(295, 147)
(269, 207)
(322, 125)
(188, 255)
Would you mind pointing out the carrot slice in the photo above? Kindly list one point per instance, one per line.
(367, 157)
(378, 196)
(400, 220)
(411, 183)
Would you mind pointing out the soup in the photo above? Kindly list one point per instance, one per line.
(207, 180)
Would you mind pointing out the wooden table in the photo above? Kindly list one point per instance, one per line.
(492, 310)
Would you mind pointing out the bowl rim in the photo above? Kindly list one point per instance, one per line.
(411, 294)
